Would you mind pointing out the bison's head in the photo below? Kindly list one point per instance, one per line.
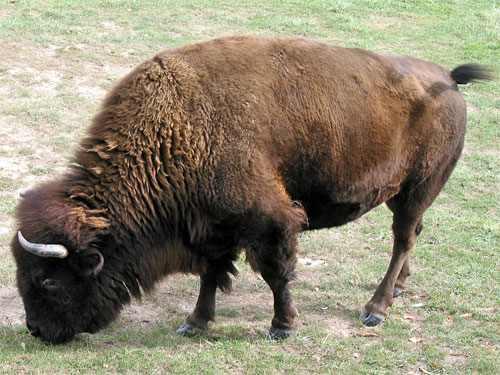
(62, 275)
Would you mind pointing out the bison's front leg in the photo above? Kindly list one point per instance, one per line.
(205, 307)
(275, 257)
(283, 323)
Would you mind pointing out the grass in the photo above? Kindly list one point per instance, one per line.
(58, 58)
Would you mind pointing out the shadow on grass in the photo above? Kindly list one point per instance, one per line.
(250, 326)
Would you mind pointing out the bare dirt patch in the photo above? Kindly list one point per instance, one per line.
(250, 304)
(455, 359)
(12, 310)
(5, 13)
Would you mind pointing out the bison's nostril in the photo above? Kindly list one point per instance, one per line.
(33, 329)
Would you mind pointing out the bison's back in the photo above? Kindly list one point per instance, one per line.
(346, 125)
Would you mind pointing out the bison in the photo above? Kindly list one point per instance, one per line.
(236, 144)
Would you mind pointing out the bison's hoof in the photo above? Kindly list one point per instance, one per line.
(187, 330)
(370, 319)
(397, 292)
(279, 334)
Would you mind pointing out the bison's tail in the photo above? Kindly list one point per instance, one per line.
(466, 73)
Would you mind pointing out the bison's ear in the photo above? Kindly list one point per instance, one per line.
(89, 262)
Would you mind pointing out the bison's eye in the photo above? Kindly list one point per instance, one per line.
(51, 284)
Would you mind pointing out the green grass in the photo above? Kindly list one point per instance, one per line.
(57, 59)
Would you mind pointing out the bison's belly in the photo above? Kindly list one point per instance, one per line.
(325, 211)
(332, 214)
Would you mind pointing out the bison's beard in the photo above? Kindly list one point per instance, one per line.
(57, 331)
(49, 332)
(87, 313)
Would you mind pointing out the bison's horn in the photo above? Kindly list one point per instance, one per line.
(41, 250)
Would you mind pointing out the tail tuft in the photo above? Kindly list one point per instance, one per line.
(466, 73)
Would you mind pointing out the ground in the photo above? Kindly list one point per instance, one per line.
(251, 297)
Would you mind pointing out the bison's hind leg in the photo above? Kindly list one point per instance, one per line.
(403, 274)
(408, 208)
(405, 270)
(404, 225)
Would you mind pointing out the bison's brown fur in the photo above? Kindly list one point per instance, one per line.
(225, 145)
